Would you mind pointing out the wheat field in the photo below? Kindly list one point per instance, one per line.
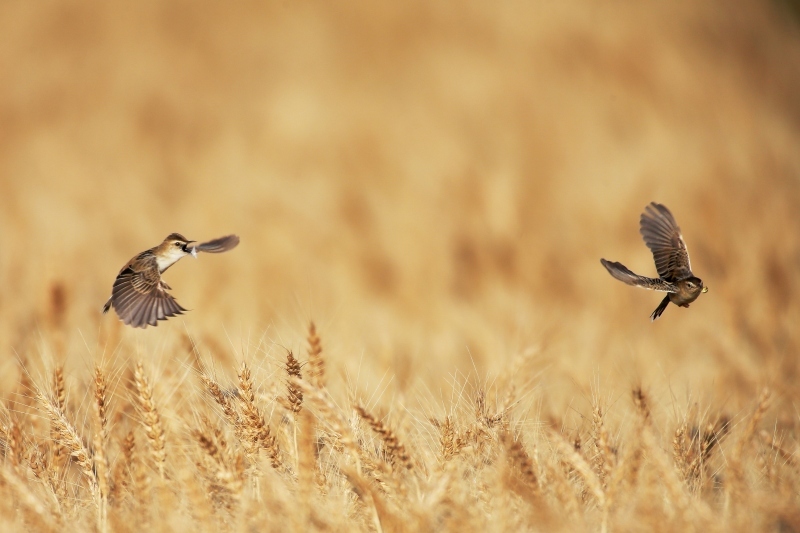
(415, 333)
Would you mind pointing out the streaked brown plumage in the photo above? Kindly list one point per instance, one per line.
(663, 236)
(139, 295)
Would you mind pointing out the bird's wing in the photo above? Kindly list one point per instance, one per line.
(223, 244)
(138, 295)
(622, 273)
(663, 236)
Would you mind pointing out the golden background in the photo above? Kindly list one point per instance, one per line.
(433, 184)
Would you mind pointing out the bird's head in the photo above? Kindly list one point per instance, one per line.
(695, 285)
(174, 247)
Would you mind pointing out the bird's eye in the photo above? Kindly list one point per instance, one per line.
(177, 244)
(691, 285)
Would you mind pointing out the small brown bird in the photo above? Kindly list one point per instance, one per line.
(140, 296)
(663, 236)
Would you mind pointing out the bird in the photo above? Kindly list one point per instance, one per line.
(139, 295)
(663, 236)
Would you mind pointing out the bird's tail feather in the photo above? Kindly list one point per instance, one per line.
(660, 309)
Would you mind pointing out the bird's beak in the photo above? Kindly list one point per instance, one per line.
(705, 289)
(190, 250)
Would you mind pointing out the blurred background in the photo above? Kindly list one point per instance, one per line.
(433, 184)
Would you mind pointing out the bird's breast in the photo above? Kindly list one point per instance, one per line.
(167, 260)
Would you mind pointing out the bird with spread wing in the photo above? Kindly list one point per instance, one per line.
(663, 236)
(139, 295)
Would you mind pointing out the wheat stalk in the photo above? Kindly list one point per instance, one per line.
(67, 436)
(253, 425)
(101, 401)
(395, 451)
(519, 459)
(579, 464)
(316, 363)
(603, 458)
(151, 420)
(293, 401)
(328, 412)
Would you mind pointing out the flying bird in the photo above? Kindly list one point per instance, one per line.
(663, 236)
(139, 295)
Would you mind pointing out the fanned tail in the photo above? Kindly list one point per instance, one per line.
(660, 309)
